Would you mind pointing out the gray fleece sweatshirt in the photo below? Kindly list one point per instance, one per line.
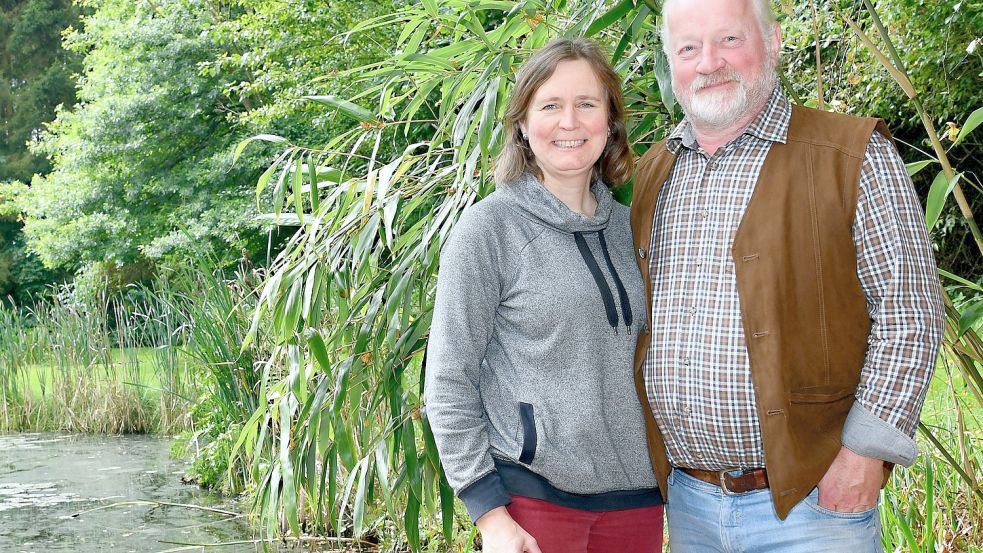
(529, 384)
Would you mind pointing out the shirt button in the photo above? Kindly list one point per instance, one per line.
(712, 165)
(685, 361)
(705, 213)
(692, 311)
(698, 455)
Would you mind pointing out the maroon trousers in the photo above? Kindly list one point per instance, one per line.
(566, 530)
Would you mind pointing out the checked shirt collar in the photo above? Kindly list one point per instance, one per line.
(771, 124)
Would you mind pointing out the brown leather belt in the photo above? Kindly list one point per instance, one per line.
(732, 481)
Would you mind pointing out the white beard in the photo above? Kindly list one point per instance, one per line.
(723, 109)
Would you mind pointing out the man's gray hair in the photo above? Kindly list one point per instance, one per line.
(762, 13)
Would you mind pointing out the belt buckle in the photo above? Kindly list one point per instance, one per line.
(723, 480)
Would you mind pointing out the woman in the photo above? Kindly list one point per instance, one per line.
(529, 382)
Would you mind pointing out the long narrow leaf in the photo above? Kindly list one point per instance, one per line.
(937, 194)
(619, 10)
(350, 109)
(974, 120)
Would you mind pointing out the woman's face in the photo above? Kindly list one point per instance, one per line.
(567, 123)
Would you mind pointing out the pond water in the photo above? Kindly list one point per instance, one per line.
(84, 493)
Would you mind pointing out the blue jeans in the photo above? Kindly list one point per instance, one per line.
(704, 520)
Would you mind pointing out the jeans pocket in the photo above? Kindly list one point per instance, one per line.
(812, 500)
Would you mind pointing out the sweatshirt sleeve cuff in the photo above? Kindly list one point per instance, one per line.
(484, 495)
(867, 434)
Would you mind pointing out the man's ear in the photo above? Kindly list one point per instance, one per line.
(775, 40)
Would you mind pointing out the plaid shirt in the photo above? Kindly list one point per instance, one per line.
(697, 373)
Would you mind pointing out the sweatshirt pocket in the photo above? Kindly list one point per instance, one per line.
(527, 417)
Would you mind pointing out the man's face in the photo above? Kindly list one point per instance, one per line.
(723, 70)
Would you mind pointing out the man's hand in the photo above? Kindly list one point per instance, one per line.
(852, 483)
(501, 534)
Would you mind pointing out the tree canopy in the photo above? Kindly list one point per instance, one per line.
(36, 75)
(142, 166)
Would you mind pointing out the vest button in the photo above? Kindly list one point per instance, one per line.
(641, 253)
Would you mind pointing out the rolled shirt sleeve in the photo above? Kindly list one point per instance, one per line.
(897, 272)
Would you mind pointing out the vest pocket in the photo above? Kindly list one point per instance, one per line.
(819, 411)
(819, 394)
(528, 418)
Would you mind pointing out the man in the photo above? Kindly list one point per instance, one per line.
(796, 312)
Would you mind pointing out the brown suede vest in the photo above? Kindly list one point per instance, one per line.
(803, 310)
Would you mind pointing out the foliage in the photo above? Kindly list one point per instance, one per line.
(208, 443)
(142, 166)
(36, 75)
(281, 48)
(350, 297)
(78, 366)
(213, 310)
(153, 359)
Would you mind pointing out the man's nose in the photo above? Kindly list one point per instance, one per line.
(710, 60)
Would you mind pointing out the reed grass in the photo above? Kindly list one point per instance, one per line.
(134, 361)
(83, 366)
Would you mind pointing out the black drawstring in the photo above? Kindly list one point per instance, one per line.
(622, 293)
(602, 284)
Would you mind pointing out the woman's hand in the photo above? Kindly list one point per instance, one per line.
(501, 534)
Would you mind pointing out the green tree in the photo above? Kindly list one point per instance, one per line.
(36, 75)
(141, 166)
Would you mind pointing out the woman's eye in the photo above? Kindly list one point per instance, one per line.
(587, 104)
(548, 107)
